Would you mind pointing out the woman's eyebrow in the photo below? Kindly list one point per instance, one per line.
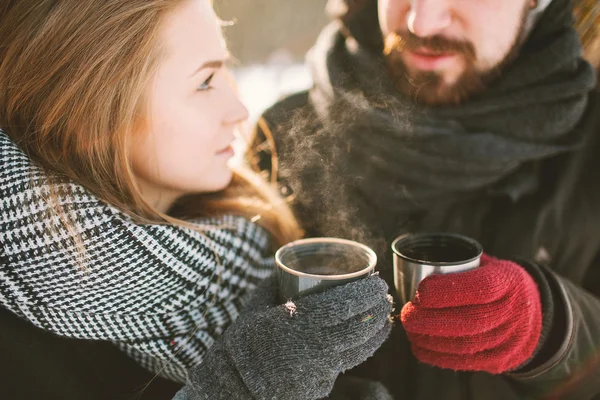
(210, 64)
(216, 64)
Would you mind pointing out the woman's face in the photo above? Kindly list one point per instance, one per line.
(193, 111)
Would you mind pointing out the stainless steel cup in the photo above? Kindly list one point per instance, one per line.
(417, 256)
(308, 266)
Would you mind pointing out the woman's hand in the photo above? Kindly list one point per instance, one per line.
(295, 350)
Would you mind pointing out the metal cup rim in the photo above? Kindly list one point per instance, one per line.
(371, 255)
(471, 241)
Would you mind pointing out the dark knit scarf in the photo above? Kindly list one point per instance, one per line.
(400, 158)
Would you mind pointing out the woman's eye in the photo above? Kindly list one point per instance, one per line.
(205, 86)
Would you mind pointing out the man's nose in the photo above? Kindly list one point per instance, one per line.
(428, 17)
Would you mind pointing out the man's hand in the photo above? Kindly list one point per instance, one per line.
(486, 319)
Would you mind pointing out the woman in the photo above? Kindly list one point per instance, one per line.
(122, 223)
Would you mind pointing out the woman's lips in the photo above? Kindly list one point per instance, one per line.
(226, 152)
(427, 60)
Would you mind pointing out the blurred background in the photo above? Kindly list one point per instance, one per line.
(268, 40)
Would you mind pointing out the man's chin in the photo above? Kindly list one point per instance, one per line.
(450, 86)
(434, 89)
(437, 95)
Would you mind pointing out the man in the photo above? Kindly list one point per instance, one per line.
(475, 117)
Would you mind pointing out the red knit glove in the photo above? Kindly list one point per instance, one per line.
(486, 319)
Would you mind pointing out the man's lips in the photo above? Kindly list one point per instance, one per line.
(428, 60)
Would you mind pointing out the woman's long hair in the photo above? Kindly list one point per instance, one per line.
(73, 90)
(587, 23)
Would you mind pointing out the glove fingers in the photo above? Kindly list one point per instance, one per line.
(480, 285)
(359, 354)
(464, 344)
(510, 354)
(459, 321)
(358, 329)
(340, 303)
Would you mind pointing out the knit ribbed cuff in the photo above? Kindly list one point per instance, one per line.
(550, 307)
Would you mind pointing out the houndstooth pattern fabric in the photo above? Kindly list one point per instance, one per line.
(162, 294)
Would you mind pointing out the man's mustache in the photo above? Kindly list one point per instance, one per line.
(436, 44)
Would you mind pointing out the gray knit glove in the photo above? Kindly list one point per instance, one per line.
(354, 388)
(293, 351)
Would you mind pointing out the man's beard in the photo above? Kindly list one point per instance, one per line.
(429, 87)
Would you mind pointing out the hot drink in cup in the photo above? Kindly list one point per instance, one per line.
(311, 265)
(417, 256)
